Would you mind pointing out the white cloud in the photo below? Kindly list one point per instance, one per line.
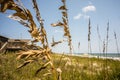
(77, 16)
(81, 16)
(89, 8)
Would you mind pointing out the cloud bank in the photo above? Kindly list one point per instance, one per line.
(85, 10)
(77, 16)
(89, 8)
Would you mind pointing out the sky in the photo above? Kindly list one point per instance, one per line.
(100, 13)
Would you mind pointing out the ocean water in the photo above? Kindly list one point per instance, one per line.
(107, 55)
(113, 55)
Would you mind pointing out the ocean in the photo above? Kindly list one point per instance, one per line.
(112, 55)
(107, 55)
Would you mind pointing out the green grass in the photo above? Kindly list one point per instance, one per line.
(73, 68)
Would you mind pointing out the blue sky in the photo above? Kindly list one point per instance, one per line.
(99, 11)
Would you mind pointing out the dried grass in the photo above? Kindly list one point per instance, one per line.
(64, 24)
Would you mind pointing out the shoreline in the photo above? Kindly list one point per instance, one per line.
(95, 56)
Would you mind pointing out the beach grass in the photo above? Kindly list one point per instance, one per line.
(73, 68)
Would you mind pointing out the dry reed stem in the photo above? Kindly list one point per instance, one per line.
(25, 63)
(116, 42)
(107, 37)
(89, 47)
(64, 24)
(54, 43)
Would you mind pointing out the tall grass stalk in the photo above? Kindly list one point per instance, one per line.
(45, 35)
(66, 16)
(107, 37)
(89, 47)
(105, 49)
(89, 38)
(78, 47)
(40, 20)
(64, 24)
(116, 41)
